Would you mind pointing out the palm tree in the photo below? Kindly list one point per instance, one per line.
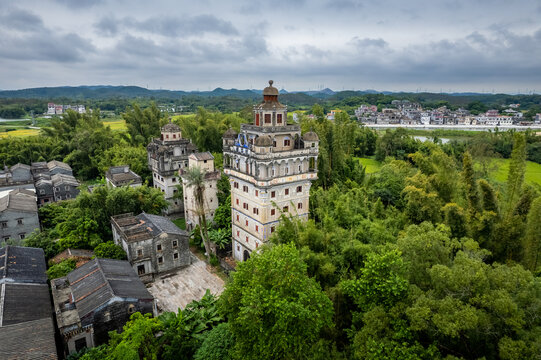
(195, 177)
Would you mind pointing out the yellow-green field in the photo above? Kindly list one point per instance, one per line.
(371, 165)
(178, 117)
(533, 171)
(116, 125)
(19, 133)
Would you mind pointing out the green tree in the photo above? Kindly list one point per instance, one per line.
(138, 339)
(63, 268)
(143, 125)
(517, 169)
(217, 344)
(468, 177)
(274, 309)
(195, 177)
(109, 250)
(532, 245)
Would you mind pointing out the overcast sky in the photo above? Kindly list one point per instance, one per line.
(396, 45)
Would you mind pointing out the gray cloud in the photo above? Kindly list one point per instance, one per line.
(37, 42)
(107, 26)
(168, 26)
(345, 43)
(20, 20)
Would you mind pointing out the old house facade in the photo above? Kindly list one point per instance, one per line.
(270, 167)
(98, 297)
(153, 244)
(18, 215)
(166, 155)
(205, 162)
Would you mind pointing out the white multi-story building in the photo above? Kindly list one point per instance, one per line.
(166, 156)
(270, 168)
(205, 162)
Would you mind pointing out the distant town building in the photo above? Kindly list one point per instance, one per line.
(98, 297)
(26, 318)
(57, 109)
(153, 244)
(18, 215)
(204, 161)
(118, 176)
(270, 168)
(166, 156)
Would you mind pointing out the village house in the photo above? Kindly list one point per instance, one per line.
(153, 244)
(205, 162)
(18, 215)
(98, 297)
(166, 155)
(118, 176)
(26, 315)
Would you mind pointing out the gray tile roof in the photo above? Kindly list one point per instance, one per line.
(32, 340)
(100, 280)
(202, 156)
(160, 224)
(22, 265)
(18, 201)
(55, 163)
(61, 179)
(25, 302)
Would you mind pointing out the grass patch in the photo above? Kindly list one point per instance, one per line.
(532, 176)
(370, 164)
(181, 223)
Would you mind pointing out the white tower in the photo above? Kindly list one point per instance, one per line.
(270, 168)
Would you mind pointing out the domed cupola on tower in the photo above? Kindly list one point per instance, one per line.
(270, 112)
(171, 132)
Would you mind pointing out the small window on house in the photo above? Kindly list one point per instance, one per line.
(299, 205)
(237, 201)
(160, 260)
(272, 229)
(19, 221)
(279, 118)
(237, 218)
(246, 222)
(273, 212)
(287, 171)
(139, 252)
(287, 191)
(256, 228)
(287, 142)
(205, 161)
(174, 136)
(22, 236)
(267, 118)
(285, 209)
(159, 247)
(175, 256)
(174, 179)
(273, 194)
(4, 224)
(256, 244)
(175, 243)
(299, 188)
(245, 188)
(6, 238)
(246, 238)
(238, 233)
(140, 269)
(257, 193)
(131, 309)
(66, 188)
